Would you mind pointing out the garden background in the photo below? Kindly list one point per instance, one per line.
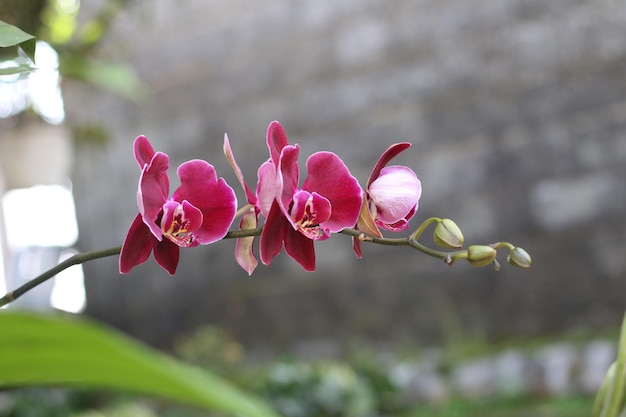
(517, 116)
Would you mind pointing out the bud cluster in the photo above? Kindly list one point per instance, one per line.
(448, 235)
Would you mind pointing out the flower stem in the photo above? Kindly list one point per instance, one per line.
(447, 257)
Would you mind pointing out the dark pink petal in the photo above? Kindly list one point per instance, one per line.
(289, 175)
(137, 246)
(330, 177)
(274, 230)
(300, 248)
(143, 151)
(153, 190)
(166, 254)
(384, 159)
(230, 157)
(200, 186)
(268, 187)
(276, 140)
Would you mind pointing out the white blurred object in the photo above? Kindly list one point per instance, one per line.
(68, 292)
(40, 89)
(43, 215)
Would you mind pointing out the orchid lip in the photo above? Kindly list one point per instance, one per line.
(308, 211)
(179, 221)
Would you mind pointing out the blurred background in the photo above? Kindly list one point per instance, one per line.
(517, 114)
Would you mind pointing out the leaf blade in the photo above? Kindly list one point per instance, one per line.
(60, 350)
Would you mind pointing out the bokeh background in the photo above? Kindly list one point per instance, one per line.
(516, 110)
(517, 117)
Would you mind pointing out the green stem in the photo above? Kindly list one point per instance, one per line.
(418, 232)
(447, 257)
(411, 241)
(89, 256)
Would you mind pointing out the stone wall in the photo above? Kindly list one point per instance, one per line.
(517, 115)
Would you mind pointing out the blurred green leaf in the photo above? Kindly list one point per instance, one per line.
(120, 79)
(60, 350)
(12, 37)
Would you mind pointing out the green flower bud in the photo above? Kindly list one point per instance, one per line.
(481, 255)
(448, 235)
(520, 258)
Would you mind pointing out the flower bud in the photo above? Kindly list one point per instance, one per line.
(481, 255)
(520, 258)
(448, 235)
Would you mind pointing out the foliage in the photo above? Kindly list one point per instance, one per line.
(13, 40)
(62, 350)
(610, 401)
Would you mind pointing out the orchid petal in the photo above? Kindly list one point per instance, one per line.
(366, 222)
(230, 157)
(137, 245)
(395, 193)
(268, 187)
(166, 254)
(276, 140)
(273, 234)
(384, 159)
(153, 191)
(180, 222)
(244, 247)
(300, 248)
(200, 186)
(330, 177)
(289, 175)
(143, 151)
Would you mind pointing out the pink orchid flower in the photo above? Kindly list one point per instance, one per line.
(391, 197)
(199, 212)
(328, 202)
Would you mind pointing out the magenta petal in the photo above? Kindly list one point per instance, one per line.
(153, 190)
(274, 230)
(200, 186)
(276, 140)
(300, 248)
(192, 215)
(330, 177)
(384, 159)
(289, 175)
(143, 151)
(268, 187)
(137, 246)
(166, 254)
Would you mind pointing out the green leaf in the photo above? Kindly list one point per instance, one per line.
(62, 350)
(12, 36)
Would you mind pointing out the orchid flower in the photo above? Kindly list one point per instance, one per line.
(328, 201)
(391, 197)
(199, 212)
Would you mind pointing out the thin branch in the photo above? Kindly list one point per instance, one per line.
(447, 257)
(403, 241)
(79, 258)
